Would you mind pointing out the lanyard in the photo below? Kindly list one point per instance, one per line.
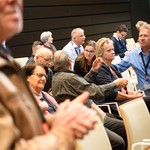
(145, 66)
(77, 49)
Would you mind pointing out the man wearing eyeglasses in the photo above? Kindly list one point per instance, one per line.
(45, 57)
(119, 40)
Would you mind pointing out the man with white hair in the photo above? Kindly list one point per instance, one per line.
(74, 47)
(45, 56)
(47, 39)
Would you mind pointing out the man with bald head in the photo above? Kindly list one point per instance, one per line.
(45, 56)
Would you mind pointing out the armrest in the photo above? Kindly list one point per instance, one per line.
(102, 106)
(142, 144)
(116, 104)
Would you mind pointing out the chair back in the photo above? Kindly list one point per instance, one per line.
(21, 61)
(98, 111)
(136, 118)
(96, 139)
(130, 44)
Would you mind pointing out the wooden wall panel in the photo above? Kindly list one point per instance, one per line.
(97, 18)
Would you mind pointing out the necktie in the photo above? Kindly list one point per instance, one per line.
(77, 49)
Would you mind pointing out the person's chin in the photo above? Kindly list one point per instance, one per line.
(14, 30)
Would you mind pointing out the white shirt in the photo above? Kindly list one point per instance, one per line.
(70, 50)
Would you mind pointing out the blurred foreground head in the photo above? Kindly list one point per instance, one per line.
(11, 22)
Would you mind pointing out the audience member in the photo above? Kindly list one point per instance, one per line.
(36, 78)
(83, 62)
(139, 58)
(74, 47)
(22, 125)
(119, 40)
(45, 56)
(67, 84)
(108, 73)
(35, 46)
(47, 39)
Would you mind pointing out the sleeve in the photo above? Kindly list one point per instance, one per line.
(54, 140)
(96, 91)
(125, 63)
(90, 76)
(104, 77)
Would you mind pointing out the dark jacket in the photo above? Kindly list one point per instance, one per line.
(105, 76)
(119, 46)
(66, 84)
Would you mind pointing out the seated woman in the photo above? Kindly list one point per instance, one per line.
(84, 61)
(36, 78)
(109, 72)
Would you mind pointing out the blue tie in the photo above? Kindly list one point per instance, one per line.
(77, 49)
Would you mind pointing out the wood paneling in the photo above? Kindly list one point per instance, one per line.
(97, 18)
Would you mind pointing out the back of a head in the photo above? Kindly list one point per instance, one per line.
(35, 43)
(99, 46)
(122, 28)
(60, 60)
(45, 35)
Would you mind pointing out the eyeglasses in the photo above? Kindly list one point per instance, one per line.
(123, 34)
(40, 75)
(91, 52)
(46, 59)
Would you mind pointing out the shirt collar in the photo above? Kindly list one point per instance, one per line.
(114, 35)
(75, 45)
(68, 71)
(139, 50)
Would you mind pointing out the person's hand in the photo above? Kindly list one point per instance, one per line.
(75, 117)
(97, 63)
(136, 94)
(120, 82)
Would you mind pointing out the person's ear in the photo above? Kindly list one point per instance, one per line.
(28, 79)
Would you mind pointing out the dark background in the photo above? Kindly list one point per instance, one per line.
(99, 18)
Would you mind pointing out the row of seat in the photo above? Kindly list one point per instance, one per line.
(136, 118)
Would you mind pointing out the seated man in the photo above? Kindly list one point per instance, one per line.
(119, 40)
(139, 58)
(66, 84)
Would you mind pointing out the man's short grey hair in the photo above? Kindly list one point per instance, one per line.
(45, 36)
(75, 32)
(60, 60)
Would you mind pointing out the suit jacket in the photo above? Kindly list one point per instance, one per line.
(119, 46)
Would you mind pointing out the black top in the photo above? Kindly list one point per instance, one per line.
(105, 76)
